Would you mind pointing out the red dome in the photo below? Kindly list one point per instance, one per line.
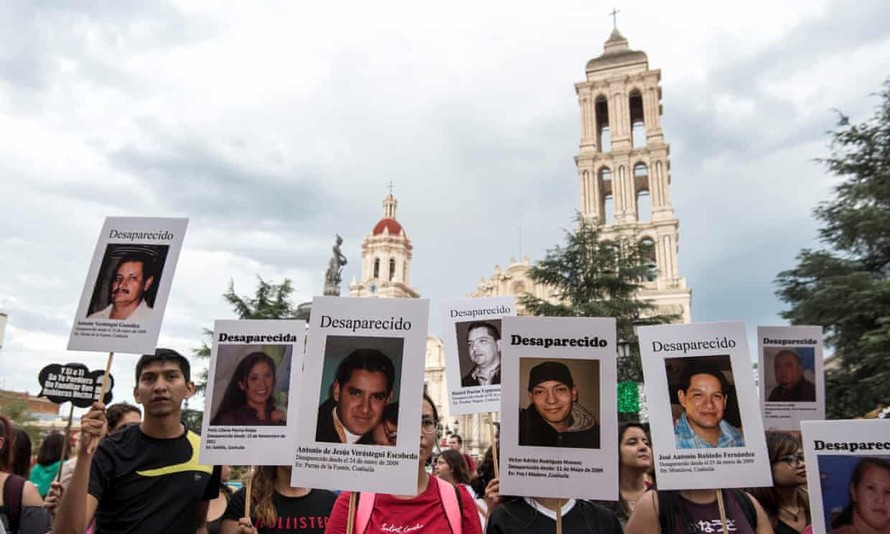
(390, 224)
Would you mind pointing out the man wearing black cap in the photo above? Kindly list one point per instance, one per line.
(553, 417)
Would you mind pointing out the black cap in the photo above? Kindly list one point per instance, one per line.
(550, 371)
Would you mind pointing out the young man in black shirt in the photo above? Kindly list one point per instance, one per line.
(145, 478)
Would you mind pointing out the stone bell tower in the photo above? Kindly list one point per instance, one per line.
(624, 167)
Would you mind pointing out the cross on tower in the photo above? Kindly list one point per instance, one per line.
(614, 14)
(390, 187)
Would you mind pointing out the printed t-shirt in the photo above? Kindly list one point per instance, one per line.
(706, 517)
(308, 513)
(424, 513)
(145, 484)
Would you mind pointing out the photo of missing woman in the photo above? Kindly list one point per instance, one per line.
(251, 385)
(855, 493)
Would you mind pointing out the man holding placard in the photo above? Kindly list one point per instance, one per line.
(703, 391)
(145, 478)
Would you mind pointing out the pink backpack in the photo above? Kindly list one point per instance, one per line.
(448, 494)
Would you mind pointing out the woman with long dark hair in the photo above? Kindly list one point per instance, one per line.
(451, 466)
(634, 465)
(248, 397)
(21, 507)
(49, 461)
(785, 502)
(21, 454)
(869, 508)
(276, 507)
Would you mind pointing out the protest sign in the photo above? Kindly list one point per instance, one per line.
(706, 426)
(74, 383)
(254, 370)
(791, 375)
(848, 474)
(473, 347)
(128, 282)
(559, 416)
(364, 372)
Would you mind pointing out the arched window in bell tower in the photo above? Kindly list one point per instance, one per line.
(392, 269)
(647, 247)
(376, 267)
(641, 187)
(637, 120)
(603, 137)
(607, 208)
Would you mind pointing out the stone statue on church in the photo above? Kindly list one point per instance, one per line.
(332, 277)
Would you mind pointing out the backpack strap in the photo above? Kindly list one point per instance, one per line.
(450, 497)
(12, 498)
(363, 511)
(745, 504)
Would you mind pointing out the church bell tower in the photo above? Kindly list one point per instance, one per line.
(624, 167)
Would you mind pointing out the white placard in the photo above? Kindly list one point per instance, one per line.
(792, 379)
(126, 290)
(254, 369)
(472, 330)
(710, 434)
(355, 345)
(848, 474)
(559, 420)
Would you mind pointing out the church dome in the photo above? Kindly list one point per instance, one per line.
(387, 223)
(615, 53)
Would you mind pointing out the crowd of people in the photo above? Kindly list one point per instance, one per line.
(139, 472)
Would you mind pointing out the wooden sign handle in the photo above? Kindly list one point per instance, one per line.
(94, 440)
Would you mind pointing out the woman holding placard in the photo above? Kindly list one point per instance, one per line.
(785, 502)
(276, 507)
(248, 397)
(869, 508)
(434, 508)
(675, 511)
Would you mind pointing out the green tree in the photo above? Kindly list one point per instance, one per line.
(845, 287)
(269, 301)
(594, 277)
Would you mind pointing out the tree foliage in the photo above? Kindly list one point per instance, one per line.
(845, 287)
(269, 301)
(594, 277)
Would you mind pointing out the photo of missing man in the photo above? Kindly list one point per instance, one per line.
(789, 374)
(251, 385)
(562, 406)
(479, 352)
(360, 390)
(127, 283)
(704, 402)
(855, 493)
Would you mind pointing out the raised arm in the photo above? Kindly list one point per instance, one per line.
(77, 506)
